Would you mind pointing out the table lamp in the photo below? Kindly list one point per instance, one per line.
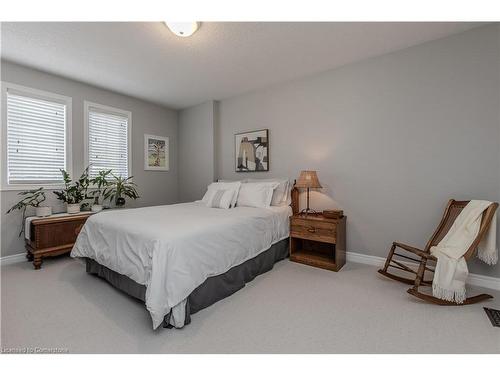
(308, 180)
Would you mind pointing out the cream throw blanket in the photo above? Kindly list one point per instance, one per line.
(451, 269)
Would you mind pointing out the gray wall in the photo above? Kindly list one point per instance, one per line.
(154, 187)
(392, 138)
(196, 150)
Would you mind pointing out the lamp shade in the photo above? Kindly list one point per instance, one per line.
(308, 179)
(183, 29)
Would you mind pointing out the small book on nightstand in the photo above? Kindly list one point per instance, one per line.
(318, 241)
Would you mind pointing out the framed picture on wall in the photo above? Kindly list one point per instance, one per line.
(156, 153)
(252, 151)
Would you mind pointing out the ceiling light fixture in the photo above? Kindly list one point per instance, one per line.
(183, 29)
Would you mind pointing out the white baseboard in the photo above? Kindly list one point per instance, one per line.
(484, 281)
(474, 279)
(11, 259)
(365, 259)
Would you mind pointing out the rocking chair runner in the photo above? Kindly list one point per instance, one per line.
(451, 212)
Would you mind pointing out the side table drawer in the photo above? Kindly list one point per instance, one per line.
(308, 229)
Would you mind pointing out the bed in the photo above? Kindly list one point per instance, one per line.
(181, 258)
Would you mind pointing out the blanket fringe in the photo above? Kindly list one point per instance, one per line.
(489, 258)
(457, 296)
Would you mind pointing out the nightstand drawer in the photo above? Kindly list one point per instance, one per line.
(310, 229)
(301, 222)
(329, 238)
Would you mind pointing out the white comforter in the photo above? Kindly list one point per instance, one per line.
(173, 249)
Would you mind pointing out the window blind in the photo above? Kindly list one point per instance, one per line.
(36, 140)
(107, 142)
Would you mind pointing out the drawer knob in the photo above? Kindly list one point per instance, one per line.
(311, 230)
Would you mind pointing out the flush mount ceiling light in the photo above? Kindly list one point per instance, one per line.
(183, 29)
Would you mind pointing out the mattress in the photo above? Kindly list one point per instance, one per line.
(173, 249)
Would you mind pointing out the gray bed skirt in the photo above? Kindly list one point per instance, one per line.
(212, 290)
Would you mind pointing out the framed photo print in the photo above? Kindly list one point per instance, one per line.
(252, 151)
(156, 151)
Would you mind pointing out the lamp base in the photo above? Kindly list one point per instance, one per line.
(307, 211)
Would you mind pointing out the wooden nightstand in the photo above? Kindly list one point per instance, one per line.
(318, 241)
(53, 236)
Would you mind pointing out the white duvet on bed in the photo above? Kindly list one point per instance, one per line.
(173, 249)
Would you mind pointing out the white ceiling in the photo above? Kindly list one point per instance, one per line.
(221, 60)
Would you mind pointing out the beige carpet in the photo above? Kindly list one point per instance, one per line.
(291, 309)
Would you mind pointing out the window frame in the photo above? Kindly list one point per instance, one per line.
(87, 105)
(44, 95)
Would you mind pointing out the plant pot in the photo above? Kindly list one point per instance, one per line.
(120, 202)
(73, 208)
(43, 211)
(96, 208)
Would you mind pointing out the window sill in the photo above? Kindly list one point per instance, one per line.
(31, 187)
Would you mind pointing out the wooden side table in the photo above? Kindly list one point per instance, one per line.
(53, 236)
(318, 241)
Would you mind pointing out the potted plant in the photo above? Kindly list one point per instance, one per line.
(74, 193)
(32, 198)
(119, 188)
(100, 182)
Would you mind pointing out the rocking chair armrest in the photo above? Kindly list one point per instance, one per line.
(413, 250)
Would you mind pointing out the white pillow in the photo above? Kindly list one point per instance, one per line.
(280, 194)
(256, 194)
(234, 186)
(221, 198)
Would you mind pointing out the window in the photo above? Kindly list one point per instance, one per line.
(107, 139)
(36, 137)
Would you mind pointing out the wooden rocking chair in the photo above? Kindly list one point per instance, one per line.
(451, 212)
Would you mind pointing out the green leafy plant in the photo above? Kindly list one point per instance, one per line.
(99, 182)
(32, 198)
(74, 192)
(119, 188)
